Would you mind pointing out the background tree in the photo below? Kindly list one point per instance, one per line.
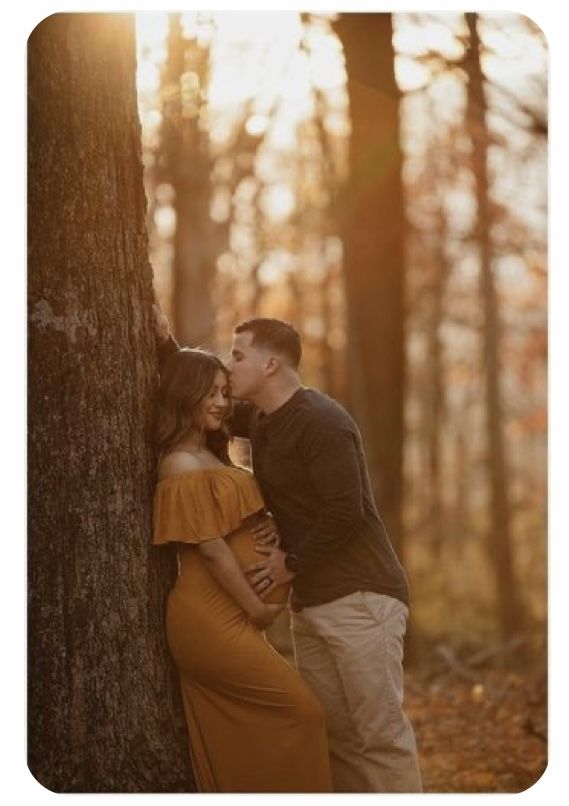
(372, 221)
(446, 318)
(279, 143)
(184, 163)
(499, 532)
(104, 714)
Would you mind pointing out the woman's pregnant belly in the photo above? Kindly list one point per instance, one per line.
(242, 543)
(203, 621)
(196, 581)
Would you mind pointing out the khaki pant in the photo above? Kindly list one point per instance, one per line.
(350, 653)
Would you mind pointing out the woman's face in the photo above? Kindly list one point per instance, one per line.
(214, 408)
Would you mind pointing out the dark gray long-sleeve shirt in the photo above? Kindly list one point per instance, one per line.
(310, 465)
(309, 462)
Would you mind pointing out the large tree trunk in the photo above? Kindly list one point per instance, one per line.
(372, 221)
(499, 536)
(104, 709)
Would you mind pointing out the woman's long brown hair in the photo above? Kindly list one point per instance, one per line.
(186, 379)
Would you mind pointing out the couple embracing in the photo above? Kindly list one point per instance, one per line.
(303, 529)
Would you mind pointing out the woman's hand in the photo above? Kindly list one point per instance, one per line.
(223, 565)
(264, 615)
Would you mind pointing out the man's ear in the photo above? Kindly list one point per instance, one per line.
(271, 365)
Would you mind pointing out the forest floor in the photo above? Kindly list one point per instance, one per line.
(480, 729)
(479, 713)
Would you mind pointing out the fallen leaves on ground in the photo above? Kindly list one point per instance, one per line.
(487, 735)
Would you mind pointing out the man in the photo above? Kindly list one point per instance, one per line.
(350, 598)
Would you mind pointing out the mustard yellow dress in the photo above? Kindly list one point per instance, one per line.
(253, 724)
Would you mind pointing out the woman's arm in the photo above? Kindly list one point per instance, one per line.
(222, 563)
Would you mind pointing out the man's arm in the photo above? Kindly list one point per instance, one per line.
(331, 458)
(166, 345)
(330, 455)
(165, 350)
(240, 420)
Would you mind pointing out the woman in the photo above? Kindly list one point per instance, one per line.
(254, 726)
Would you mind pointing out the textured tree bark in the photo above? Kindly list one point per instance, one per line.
(103, 704)
(499, 536)
(372, 220)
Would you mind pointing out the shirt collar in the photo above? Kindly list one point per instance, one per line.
(268, 420)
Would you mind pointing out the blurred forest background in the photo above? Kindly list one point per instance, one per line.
(267, 198)
(380, 180)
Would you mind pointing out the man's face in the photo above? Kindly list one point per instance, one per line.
(247, 365)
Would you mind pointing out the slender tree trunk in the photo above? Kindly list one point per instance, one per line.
(372, 222)
(330, 183)
(499, 537)
(103, 705)
(187, 167)
(437, 398)
(327, 353)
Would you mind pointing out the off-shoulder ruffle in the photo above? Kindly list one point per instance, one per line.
(203, 504)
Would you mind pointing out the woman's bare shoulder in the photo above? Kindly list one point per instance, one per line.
(177, 462)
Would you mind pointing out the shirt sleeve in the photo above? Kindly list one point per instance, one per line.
(331, 457)
(165, 350)
(240, 422)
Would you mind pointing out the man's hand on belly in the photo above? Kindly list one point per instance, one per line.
(266, 534)
(269, 573)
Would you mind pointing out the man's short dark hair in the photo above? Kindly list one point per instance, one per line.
(274, 334)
